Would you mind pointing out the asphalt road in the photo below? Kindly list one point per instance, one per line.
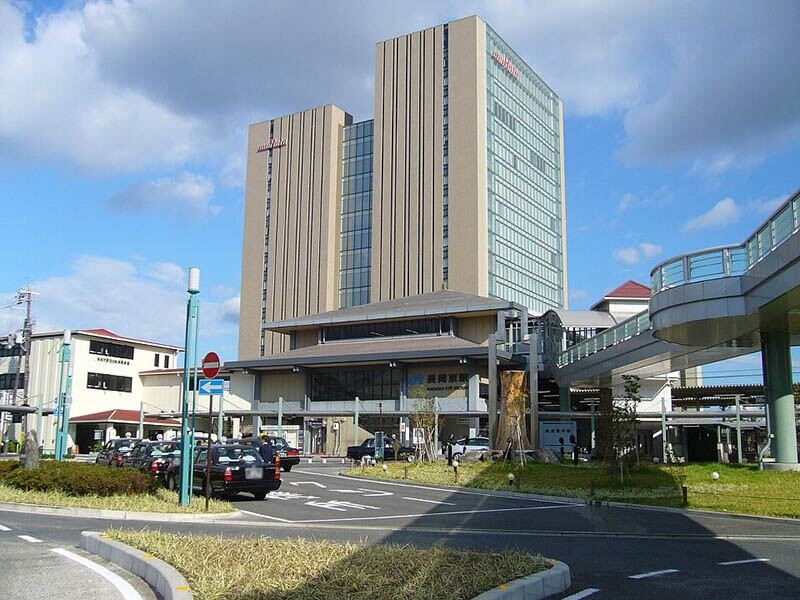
(619, 552)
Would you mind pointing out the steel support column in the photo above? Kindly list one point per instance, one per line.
(777, 367)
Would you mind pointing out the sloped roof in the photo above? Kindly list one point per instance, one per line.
(630, 289)
(121, 415)
(107, 334)
(584, 318)
(432, 304)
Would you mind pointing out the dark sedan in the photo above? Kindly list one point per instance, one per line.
(115, 451)
(289, 456)
(152, 457)
(234, 468)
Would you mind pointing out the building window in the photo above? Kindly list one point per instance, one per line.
(112, 383)
(110, 349)
(388, 329)
(155, 362)
(166, 361)
(7, 381)
(367, 384)
(15, 350)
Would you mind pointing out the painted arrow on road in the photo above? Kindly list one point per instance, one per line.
(369, 494)
(319, 485)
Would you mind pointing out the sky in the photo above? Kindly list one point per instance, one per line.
(123, 127)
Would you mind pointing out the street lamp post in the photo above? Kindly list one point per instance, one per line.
(189, 358)
(62, 418)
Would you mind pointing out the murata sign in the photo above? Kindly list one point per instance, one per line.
(506, 63)
(273, 143)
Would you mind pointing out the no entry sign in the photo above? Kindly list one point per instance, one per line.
(211, 365)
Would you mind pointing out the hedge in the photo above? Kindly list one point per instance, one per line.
(77, 479)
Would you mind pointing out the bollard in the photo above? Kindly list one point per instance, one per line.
(517, 480)
(455, 469)
(406, 473)
(685, 491)
(363, 467)
(591, 494)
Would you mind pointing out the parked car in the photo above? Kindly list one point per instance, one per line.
(234, 468)
(367, 448)
(115, 451)
(152, 457)
(474, 444)
(289, 456)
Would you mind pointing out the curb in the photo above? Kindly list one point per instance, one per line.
(162, 577)
(554, 580)
(120, 515)
(581, 501)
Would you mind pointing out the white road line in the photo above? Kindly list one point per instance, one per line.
(742, 562)
(429, 501)
(653, 574)
(4, 528)
(29, 538)
(582, 594)
(444, 491)
(126, 589)
(247, 512)
(433, 514)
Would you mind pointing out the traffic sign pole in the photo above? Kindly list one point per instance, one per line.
(186, 440)
(208, 454)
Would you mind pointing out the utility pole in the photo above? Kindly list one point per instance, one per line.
(25, 349)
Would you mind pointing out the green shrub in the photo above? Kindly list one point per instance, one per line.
(78, 479)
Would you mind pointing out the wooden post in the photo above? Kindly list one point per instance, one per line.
(685, 492)
(516, 480)
(405, 476)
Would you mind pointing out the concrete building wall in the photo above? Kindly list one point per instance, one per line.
(290, 252)
(290, 386)
(306, 338)
(468, 211)
(407, 215)
(477, 329)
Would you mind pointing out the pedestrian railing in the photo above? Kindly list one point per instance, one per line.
(611, 336)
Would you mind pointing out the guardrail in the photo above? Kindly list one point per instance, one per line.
(611, 336)
(727, 261)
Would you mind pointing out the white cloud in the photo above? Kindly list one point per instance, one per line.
(635, 254)
(724, 212)
(766, 207)
(627, 201)
(167, 272)
(104, 292)
(119, 84)
(188, 194)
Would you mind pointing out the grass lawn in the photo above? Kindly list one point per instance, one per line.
(295, 569)
(163, 501)
(740, 488)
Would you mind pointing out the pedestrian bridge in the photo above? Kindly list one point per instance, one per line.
(707, 306)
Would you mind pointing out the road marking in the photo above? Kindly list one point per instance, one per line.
(582, 594)
(125, 588)
(429, 501)
(29, 538)
(4, 528)
(653, 573)
(340, 505)
(742, 562)
(448, 490)
(371, 493)
(434, 514)
(290, 496)
(247, 512)
(319, 485)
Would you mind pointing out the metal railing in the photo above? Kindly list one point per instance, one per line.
(611, 336)
(712, 263)
(727, 261)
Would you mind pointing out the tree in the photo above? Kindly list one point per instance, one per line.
(424, 416)
(624, 450)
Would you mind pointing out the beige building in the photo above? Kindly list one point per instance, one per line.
(457, 183)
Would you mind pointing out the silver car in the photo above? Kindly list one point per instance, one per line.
(473, 444)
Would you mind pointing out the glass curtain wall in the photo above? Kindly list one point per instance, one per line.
(524, 182)
(356, 225)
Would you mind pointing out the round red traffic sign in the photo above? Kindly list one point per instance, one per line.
(211, 365)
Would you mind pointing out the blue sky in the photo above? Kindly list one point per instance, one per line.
(123, 127)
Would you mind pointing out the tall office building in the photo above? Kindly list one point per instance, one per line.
(457, 182)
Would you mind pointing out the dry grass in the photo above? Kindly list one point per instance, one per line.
(163, 501)
(739, 489)
(299, 569)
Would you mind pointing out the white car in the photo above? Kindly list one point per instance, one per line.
(475, 444)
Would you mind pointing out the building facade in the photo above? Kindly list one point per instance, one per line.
(457, 183)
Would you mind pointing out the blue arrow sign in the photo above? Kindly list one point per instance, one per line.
(211, 387)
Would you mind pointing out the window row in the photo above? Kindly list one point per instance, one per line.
(15, 350)
(7, 381)
(366, 384)
(112, 383)
(111, 349)
(157, 359)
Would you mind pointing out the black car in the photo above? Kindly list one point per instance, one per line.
(367, 448)
(115, 451)
(289, 456)
(234, 468)
(152, 457)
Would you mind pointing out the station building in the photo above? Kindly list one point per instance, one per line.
(380, 255)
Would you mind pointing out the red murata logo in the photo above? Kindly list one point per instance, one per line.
(273, 143)
(506, 63)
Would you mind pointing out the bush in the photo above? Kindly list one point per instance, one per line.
(77, 479)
